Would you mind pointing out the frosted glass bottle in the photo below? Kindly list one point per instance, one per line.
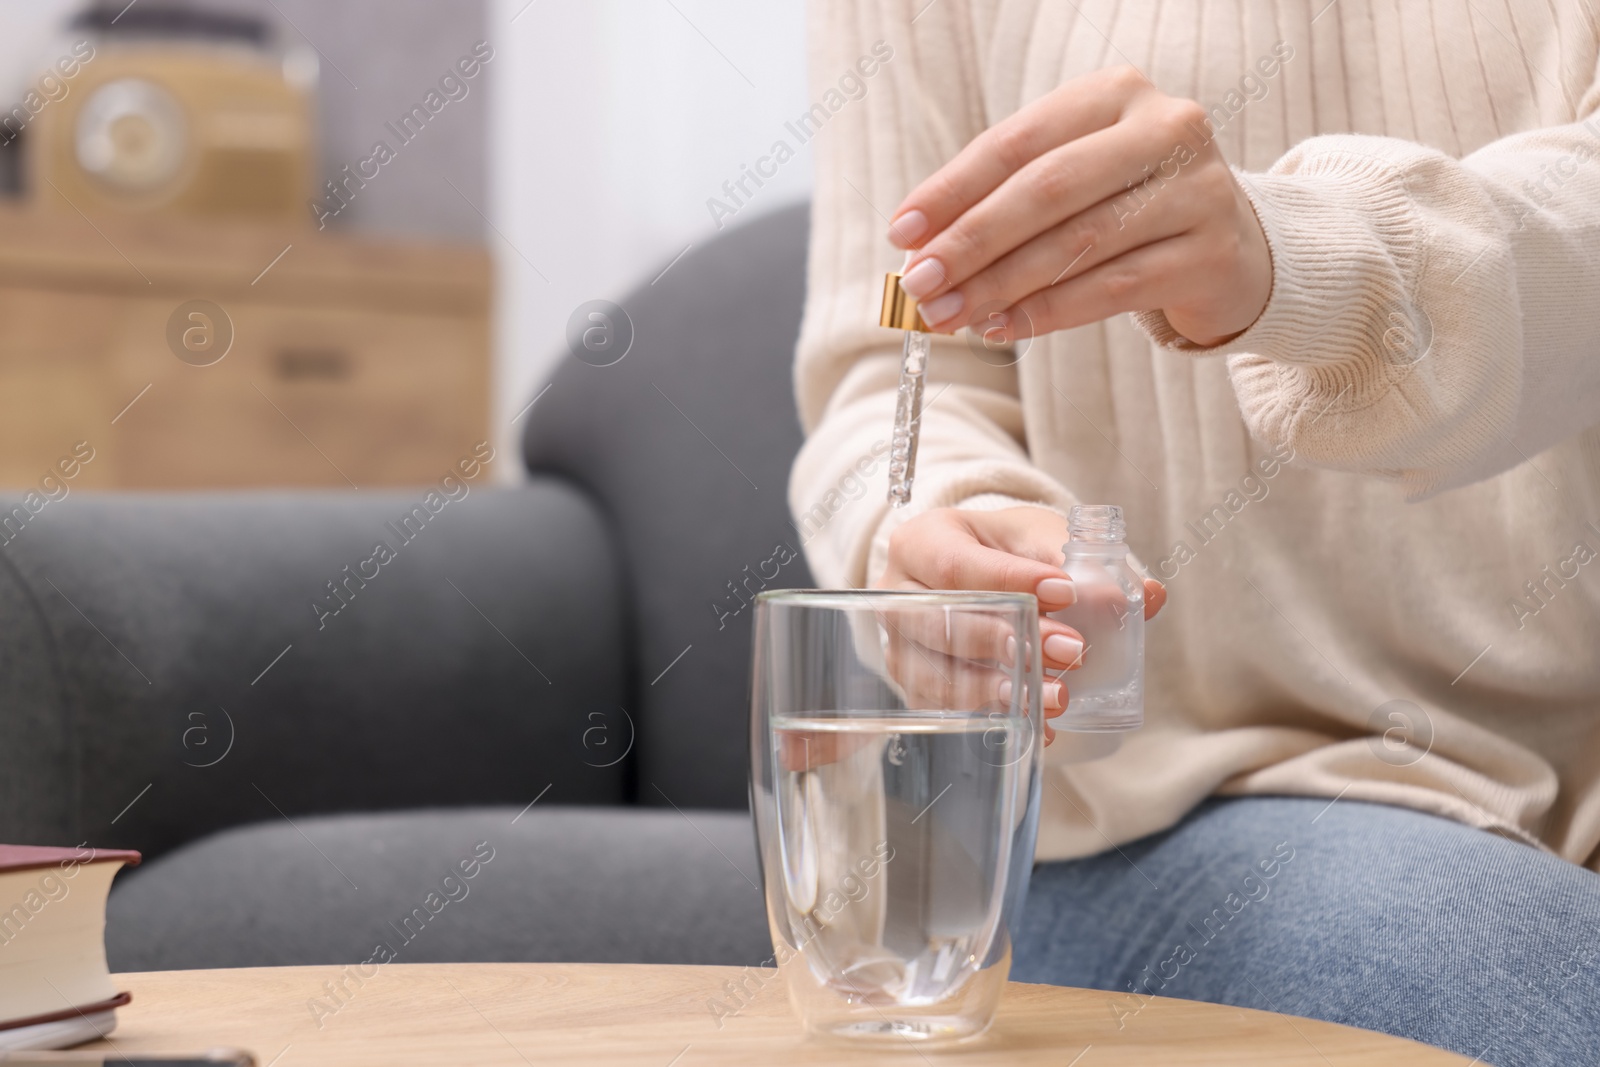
(1107, 692)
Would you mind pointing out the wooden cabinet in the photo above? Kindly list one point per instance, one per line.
(352, 362)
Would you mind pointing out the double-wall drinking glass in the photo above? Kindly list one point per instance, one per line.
(895, 770)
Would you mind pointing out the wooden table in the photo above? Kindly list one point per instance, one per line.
(600, 1015)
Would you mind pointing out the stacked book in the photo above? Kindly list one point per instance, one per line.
(55, 986)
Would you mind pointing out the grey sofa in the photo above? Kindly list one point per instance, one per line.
(546, 687)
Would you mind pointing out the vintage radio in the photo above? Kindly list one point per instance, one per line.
(174, 112)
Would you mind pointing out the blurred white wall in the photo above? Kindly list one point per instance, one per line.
(27, 29)
(613, 121)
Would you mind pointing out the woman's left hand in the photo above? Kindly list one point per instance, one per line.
(1105, 196)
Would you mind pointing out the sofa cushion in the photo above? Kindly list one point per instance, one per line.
(482, 884)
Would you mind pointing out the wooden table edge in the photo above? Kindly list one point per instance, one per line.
(225, 991)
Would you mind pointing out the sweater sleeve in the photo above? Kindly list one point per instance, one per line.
(920, 105)
(1433, 320)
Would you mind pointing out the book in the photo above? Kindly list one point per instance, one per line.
(55, 985)
(63, 1033)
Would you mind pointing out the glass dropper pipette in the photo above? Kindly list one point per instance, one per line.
(900, 313)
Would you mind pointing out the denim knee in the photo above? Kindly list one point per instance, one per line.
(1363, 914)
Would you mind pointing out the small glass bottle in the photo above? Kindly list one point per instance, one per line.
(1107, 691)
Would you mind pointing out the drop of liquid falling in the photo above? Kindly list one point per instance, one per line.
(897, 750)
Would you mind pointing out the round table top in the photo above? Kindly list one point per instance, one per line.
(518, 1014)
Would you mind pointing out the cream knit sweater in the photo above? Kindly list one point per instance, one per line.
(1405, 610)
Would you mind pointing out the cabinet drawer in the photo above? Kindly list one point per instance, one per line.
(303, 397)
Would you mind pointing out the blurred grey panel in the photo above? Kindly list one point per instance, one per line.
(378, 58)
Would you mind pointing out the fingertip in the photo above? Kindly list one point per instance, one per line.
(1057, 591)
(907, 228)
(1155, 597)
(943, 313)
(1064, 650)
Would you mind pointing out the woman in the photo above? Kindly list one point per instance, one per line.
(1313, 292)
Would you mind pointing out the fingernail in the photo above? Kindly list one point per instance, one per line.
(1011, 650)
(1057, 591)
(1052, 695)
(1063, 649)
(922, 279)
(908, 229)
(1005, 690)
(946, 307)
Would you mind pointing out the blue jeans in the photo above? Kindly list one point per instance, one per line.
(1372, 916)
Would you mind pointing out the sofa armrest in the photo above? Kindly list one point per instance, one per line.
(171, 664)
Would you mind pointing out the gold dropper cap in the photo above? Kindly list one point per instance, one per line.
(899, 310)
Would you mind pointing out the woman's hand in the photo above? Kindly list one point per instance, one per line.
(1105, 196)
(1016, 550)
(941, 665)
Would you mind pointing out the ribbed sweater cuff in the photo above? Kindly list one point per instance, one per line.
(1337, 236)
